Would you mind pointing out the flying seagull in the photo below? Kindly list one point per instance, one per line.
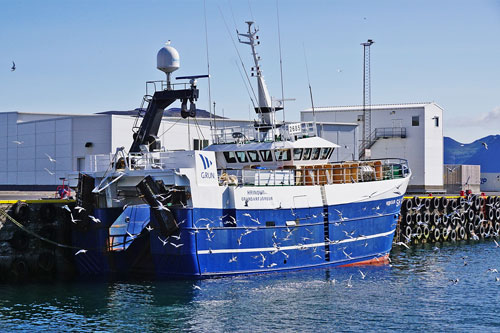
(80, 251)
(50, 158)
(50, 172)
(13, 68)
(485, 145)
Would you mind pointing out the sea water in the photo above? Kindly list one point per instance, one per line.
(449, 288)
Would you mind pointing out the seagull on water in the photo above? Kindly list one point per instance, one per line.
(349, 282)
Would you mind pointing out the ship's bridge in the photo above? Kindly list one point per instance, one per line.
(273, 155)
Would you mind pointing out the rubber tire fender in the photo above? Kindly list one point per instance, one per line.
(21, 212)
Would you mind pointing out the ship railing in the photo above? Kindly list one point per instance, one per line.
(234, 134)
(160, 85)
(333, 173)
(143, 161)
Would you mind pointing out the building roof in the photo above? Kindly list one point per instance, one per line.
(372, 107)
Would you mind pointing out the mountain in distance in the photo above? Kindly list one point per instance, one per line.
(172, 112)
(474, 153)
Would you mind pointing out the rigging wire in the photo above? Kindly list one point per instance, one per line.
(310, 90)
(244, 82)
(208, 65)
(281, 62)
(168, 129)
(232, 14)
(239, 55)
(198, 129)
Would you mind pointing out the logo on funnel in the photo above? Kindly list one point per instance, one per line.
(206, 162)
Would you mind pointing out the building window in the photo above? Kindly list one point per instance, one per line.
(80, 164)
(436, 121)
(415, 121)
(199, 144)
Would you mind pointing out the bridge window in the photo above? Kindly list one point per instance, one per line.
(242, 157)
(266, 155)
(297, 154)
(324, 153)
(331, 152)
(230, 156)
(315, 154)
(253, 155)
(282, 154)
(307, 153)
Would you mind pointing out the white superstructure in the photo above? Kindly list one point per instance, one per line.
(412, 131)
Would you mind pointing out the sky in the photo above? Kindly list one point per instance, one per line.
(91, 56)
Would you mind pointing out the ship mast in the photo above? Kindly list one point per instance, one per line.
(266, 125)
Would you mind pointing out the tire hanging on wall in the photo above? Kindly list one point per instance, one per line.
(470, 228)
(443, 203)
(445, 234)
(407, 205)
(426, 232)
(436, 234)
(461, 232)
(453, 235)
(21, 212)
(419, 232)
(19, 269)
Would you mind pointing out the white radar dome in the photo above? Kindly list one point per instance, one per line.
(168, 59)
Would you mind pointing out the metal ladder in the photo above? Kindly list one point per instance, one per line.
(141, 112)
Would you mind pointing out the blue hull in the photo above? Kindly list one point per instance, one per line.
(261, 241)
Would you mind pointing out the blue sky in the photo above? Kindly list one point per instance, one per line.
(92, 56)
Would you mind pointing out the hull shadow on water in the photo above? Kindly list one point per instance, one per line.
(443, 289)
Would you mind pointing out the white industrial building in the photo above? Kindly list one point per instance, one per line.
(411, 131)
(27, 140)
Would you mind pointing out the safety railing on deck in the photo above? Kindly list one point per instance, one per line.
(334, 173)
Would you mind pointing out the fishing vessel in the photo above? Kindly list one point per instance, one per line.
(260, 199)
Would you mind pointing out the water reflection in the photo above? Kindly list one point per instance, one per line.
(415, 289)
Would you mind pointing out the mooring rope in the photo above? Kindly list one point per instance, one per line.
(22, 227)
(34, 234)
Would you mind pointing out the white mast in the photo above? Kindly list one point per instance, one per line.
(264, 107)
